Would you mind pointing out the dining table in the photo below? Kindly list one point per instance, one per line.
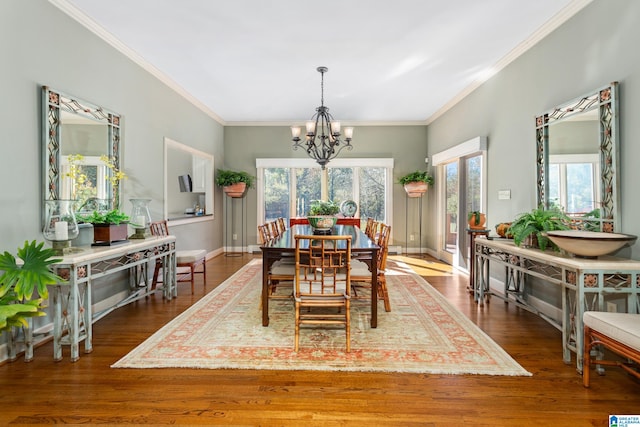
(362, 248)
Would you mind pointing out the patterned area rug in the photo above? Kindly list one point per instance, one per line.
(423, 333)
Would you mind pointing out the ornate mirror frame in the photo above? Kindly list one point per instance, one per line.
(605, 100)
(54, 103)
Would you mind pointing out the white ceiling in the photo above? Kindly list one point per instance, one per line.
(253, 61)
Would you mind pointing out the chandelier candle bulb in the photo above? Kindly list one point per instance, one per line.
(348, 133)
(295, 132)
(335, 128)
(61, 230)
(311, 128)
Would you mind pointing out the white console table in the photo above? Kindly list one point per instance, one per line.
(72, 311)
(585, 284)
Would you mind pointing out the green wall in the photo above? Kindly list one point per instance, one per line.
(41, 45)
(597, 46)
(407, 145)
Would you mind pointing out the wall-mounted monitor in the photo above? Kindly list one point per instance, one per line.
(185, 183)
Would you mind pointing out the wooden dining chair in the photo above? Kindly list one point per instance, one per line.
(264, 234)
(191, 259)
(361, 275)
(282, 226)
(322, 290)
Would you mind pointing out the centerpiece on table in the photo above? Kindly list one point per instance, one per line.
(416, 183)
(108, 227)
(529, 228)
(322, 215)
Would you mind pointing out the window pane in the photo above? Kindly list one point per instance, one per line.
(372, 193)
(276, 193)
(340, 184)
(308, 188)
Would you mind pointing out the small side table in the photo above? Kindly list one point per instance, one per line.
(473, 232)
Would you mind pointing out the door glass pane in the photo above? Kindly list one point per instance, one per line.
(276, 193)
(308, 187)
(474, 184)
(451, 216)
(340, 184)
(372, 193)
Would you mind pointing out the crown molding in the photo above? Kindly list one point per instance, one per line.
(556, 21)
(93, 26)
(344, 123)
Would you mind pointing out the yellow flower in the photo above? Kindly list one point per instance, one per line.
(116, 174)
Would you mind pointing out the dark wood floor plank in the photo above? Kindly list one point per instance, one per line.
(90, 392)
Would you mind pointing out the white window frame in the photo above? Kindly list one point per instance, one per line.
(309, 163)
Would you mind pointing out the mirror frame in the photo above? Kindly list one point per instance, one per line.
(53, 103)
(605, 99)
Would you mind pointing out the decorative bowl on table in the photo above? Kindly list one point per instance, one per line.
(322, 223)
(589, 244)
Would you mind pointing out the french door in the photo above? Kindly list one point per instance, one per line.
(461, 189)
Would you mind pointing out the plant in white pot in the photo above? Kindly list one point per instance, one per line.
(322, 214)
(416, 183)
(233, 183)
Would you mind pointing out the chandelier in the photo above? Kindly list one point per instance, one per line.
(322, 141)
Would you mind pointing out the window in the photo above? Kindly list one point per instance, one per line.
(286, 187)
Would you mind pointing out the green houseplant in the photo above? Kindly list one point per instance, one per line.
(233, 183)
(108, 227)
(532, 225)
(321, 207)
(322, 214)
(476, 219)
(19, 281)
(416, 183)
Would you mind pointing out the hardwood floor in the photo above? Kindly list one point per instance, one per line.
(90, 392)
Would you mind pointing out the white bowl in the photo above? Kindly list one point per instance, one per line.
(589, 244)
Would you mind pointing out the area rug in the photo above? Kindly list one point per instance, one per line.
(423, 333)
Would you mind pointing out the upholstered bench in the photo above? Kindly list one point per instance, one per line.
(618, 332)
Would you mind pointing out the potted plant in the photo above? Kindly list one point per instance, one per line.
(322, 214)
(234, 184)
(108, 227)
(416, 183)
(476, 220)
(528, 228)
(19, 281)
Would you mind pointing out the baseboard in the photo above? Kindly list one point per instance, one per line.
(544, 308)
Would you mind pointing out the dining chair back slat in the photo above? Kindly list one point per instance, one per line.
(322, 289)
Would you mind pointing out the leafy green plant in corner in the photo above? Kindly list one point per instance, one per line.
(114, 216)
(19, 281)
(321, 207)
(536, 223)
(417, 176)
(227, 177)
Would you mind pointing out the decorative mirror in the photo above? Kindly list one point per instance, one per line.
(81, 152)
(577, 159)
